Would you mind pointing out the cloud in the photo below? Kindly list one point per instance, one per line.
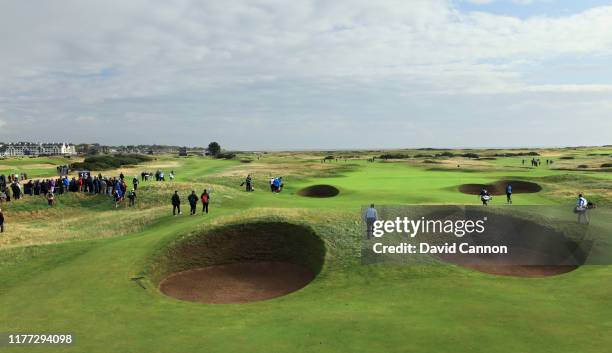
(86, 119)
(520, 2)
(155, 54)
(235, 69)
(480, 2)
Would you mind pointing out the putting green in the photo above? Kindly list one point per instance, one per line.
(86, 287)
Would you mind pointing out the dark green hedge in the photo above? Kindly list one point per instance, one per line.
(105, 162)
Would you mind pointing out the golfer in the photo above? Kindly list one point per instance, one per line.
(193, 201)
(371, 215)
(581, 210)
(485, 197)
(176, 203)
(1, 221)
(509, 194)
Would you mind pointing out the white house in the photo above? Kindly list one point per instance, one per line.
(36, 149)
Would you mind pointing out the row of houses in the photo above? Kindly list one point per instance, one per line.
(36, 149)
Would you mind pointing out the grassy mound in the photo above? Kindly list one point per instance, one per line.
(106, 162)
(263, 248)
(394, 156)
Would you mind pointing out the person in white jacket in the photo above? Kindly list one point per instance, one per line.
(582, 202)
(581, 209)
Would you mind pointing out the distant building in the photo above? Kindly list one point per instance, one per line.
(183, 152)
(36, 149)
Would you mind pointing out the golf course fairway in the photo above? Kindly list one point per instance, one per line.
(87, 268)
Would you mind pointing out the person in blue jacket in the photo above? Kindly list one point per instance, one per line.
(278, 184)
(509, 193)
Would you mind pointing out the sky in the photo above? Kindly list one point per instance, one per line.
(308, 74)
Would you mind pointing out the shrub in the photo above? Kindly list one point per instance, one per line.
(225, 155)
(470, 155)
(104, 162)
(394, 156)
(583, 166)
(214, 149)
(566, 157)
(606, 165)
(518, 154)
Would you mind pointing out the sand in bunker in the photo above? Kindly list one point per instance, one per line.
(237, 283)
(319, 191)
(533, 249)
(499, 187)
(521, 265)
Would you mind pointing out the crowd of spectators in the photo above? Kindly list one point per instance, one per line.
(14, 187)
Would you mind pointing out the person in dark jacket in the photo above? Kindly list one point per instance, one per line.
(193, 201)
(28, 188)
(1, 221)
(132, 198)
(249, 183)
(205, 197)
(135, 183)
(16, 190)
(176, 203)
(485, 197)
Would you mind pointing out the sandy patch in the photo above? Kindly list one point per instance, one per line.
(237, 283)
